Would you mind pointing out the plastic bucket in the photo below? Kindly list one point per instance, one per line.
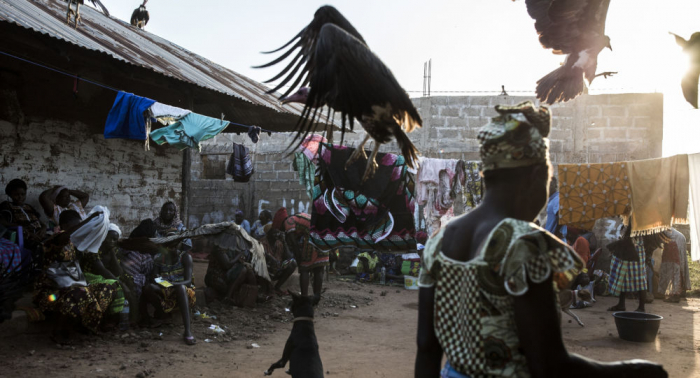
(637, 326)
(410, 282)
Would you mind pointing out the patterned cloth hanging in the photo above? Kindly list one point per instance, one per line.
(375, 214)
(592, 191)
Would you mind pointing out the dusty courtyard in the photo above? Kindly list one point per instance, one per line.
(363, 331)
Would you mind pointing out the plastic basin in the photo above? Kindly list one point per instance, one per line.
(637, 326)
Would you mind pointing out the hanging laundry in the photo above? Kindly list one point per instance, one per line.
(240, 166)
(254, 133)
(189, 131)
(126, 119)
(694, 199)
(434, 189)
(474, 184)
(167, 114)
(376, 214)
(307, 172)
(592, 191)
(309, 146)
(659, 193)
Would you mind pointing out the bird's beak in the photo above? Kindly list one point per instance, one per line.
(609, 46)
(296, 97)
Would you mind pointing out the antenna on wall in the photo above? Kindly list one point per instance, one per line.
(427, 76)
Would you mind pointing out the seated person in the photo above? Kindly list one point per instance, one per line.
(136, 260)
(241, 221)
(16, 212)
(104, 267)
(168, 221)
(227, 274)
(280, 260)
(58, 199)
(579, 244)
(366, 266)
(392, 263)
(258, 231)
(53, 295)
(173, 287)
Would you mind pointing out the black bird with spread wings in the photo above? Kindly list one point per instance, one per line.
(140, 17)
(344, 74)
(575, 28)
(690, 80)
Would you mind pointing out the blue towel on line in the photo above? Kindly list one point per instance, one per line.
(125, 120)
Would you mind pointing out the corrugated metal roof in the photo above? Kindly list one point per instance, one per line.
(131, 45)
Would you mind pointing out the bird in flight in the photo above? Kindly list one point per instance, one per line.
(690, 80)
(334, 67)
(575, 28)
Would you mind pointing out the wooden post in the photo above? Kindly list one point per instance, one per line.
(186, 175)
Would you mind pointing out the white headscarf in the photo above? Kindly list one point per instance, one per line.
(115, 228)
(89, 238)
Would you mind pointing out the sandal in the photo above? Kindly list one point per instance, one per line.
(190, 340)
(617, 308)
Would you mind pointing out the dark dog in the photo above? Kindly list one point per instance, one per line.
(301, 349)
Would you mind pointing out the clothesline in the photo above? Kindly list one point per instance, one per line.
(105, 86)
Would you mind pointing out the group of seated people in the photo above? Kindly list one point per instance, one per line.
(130, 281)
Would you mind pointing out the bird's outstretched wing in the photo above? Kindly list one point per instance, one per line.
(564, 25)
(680, 41)
(306, 41)
(690, 86)
(348, 77)
(99, 4)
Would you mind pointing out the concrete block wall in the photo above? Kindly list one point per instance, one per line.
(589, 129)
(117, 173)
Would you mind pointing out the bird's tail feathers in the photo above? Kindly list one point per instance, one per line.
(408, 150)
(561, 85)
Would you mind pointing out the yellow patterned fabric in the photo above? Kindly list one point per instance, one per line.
(516, 138)
(474, 309)
(593, 191)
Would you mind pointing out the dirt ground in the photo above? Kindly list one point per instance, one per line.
(363, 331)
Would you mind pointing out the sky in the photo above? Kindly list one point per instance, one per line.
(475, 45)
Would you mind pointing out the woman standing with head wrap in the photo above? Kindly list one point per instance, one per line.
(489, 278)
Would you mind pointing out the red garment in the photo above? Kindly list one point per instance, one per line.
(671, 253)
(583, 249)
(279, 218)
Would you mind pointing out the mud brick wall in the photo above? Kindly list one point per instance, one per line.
(117, 173)
(590, 129)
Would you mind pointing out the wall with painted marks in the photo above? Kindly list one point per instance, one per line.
(117, 173)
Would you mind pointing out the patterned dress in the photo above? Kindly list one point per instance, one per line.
(88, 262)
(172, 273)
(308, 256)
(24, 215)
(137, 267)
(629, 276)
(474, 311)
(86, 304)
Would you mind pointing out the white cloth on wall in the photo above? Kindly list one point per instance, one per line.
(89, 238)
(694, 168)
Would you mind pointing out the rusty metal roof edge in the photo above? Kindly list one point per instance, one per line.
(297, 109)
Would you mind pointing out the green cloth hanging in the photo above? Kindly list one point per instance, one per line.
(307, 172)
